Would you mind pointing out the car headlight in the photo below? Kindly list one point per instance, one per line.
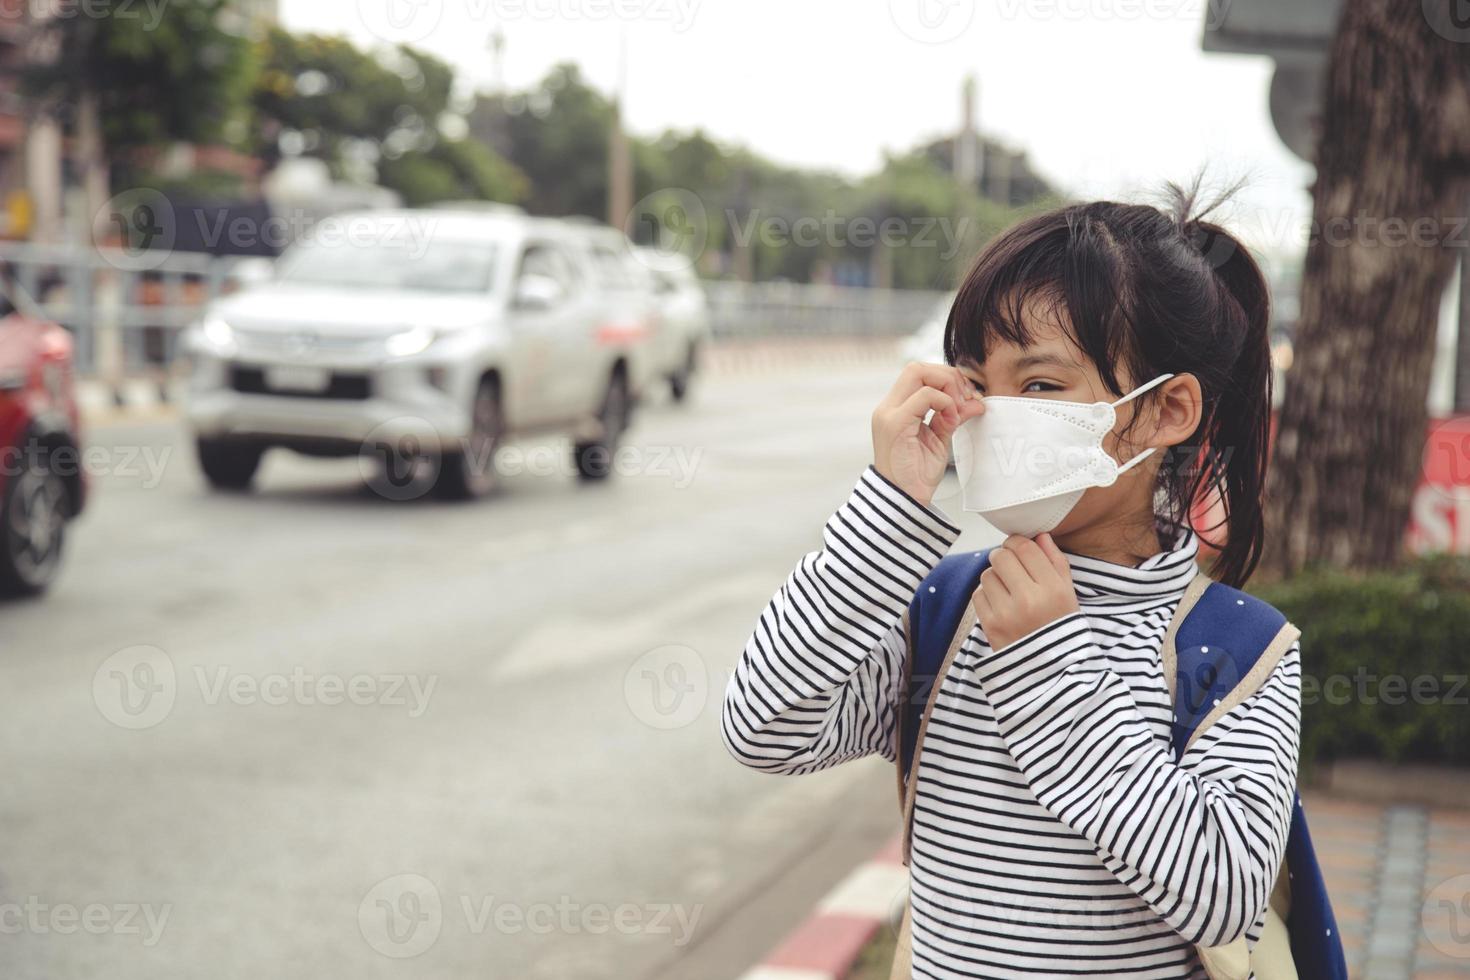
(409, 342)
(217, 333)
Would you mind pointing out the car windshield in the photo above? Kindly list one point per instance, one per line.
(432, 265)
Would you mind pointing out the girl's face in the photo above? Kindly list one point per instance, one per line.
(1052, 367)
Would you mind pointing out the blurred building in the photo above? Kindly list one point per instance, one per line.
(15, 211)
(34, 154)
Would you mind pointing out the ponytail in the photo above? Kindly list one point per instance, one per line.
(1236, 432)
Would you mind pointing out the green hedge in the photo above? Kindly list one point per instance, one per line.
(1385, 661)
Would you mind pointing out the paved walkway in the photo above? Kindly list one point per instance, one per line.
(1399, 877)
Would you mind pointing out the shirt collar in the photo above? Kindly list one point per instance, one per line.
(1159, 576)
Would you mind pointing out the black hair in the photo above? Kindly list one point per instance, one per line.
(1157, 291)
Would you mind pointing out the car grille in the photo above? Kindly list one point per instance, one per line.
(306, 341)
(342, 387)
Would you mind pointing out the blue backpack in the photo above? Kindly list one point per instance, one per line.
(1207, 679)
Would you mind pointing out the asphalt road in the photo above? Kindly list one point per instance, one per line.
(315, 733)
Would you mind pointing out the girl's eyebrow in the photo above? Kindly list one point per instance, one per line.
(1041, 360)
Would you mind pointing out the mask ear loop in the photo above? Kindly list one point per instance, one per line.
(1128, 398)
(1142, 388)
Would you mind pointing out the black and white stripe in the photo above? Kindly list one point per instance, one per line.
(1054, 834)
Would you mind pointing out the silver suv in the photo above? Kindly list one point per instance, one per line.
(419, 335)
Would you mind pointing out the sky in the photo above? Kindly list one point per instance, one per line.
(1110, 98)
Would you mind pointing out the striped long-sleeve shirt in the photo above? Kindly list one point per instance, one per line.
(1054, 832)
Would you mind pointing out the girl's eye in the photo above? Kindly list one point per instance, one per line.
(1037, 386)
(978, 386)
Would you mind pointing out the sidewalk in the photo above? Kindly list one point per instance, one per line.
(1398, 874)
(1399, 877)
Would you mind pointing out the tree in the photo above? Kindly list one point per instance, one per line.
(1393, 179)
(373, 114)
(940, 225)
(558, 132)
(143, 78)
(452, 170)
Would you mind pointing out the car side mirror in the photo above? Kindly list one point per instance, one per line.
(537, 292)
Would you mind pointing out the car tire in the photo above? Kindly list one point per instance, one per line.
(33, 517)
(594, 458)
(228, 464)
(471, 473)
(680, 380)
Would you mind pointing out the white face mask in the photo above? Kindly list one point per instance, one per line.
(1025, 463)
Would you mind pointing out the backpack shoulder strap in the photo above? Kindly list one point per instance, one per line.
(935, 626)
(1219, 649)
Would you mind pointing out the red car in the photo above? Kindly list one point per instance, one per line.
(42, 485)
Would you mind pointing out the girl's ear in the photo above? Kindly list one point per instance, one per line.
(1179, 405)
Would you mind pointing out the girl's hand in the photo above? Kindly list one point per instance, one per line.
(1027, 586)
(907, 451)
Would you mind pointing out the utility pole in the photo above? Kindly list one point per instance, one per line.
(497, 62)
(619, 163)
(967, 160)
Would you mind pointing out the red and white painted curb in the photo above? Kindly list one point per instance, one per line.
(829, 942)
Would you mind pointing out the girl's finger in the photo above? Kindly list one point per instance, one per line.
(920, 374)
(983, 609)
(969, 409)
(990, 579)
(1054, 555)
(917, 405)
(1032, 558)
(1010, 569)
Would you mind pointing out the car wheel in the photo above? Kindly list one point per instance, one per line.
(471, 472)
(227, 464)
(594, 457)
(33, 525)
(680, 380)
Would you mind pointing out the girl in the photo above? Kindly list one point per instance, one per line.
(1054, 831)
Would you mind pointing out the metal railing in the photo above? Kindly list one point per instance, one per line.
(739, 309)
(126, 309)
